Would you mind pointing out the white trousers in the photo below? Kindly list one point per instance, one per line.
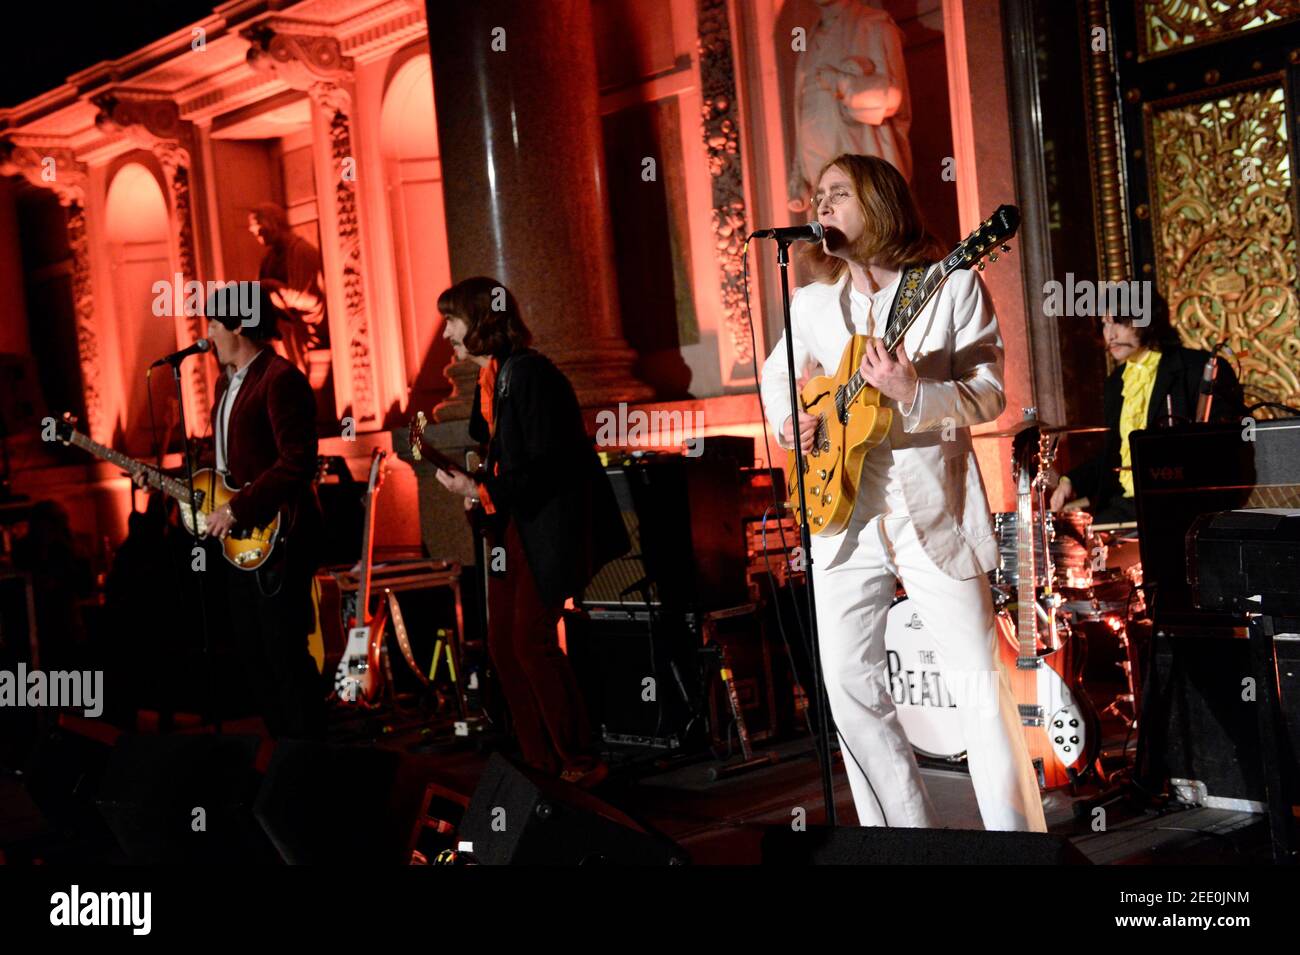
(854, 574)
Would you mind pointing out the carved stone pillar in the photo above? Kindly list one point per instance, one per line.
(156, 125)
(721, 130)
(524, 181)
(58, 170)
(316, 65)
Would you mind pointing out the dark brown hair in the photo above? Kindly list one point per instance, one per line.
(895, 230)
(230, 305)
(492, 314)
(1158, 333)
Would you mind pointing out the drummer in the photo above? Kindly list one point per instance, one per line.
(1154, 368)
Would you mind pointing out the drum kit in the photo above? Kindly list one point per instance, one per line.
(1088, 583)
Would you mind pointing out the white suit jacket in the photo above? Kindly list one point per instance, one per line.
(957, 350)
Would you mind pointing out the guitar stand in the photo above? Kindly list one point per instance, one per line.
(748, 761)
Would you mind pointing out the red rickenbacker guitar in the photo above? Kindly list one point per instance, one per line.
(1058, 720)
(357, 679)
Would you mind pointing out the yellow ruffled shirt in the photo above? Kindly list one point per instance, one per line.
(1139, 381)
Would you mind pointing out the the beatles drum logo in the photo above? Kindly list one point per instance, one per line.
(920, 683)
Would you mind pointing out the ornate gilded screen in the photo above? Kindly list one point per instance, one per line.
(1168, 26)
(1206, 118)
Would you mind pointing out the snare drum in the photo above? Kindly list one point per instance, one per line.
(1073, 550)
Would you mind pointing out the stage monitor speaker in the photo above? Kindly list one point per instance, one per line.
(1200, 731)
(63, 775)
(326, 804)
(184, 799)
(879, 845)
(518, 818)
(23, 827)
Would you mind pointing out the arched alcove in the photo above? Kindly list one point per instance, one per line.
(409, 144)
(137, 227)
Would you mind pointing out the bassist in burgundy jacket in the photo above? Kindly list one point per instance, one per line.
(264, 431)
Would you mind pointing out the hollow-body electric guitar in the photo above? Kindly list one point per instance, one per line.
(244, 548)
(850, 417)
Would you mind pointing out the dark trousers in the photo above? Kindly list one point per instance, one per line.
(271, 616)
(536, 678)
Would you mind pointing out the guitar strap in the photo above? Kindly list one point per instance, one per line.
(909, 284)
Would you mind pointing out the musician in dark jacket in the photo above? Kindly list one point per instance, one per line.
(1157, 376)
(550, 507)
(264, 431)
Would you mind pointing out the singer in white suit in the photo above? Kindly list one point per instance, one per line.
(921, 514)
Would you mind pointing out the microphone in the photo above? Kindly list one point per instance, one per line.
(1206, 398)
(176, 357)
(808, 232)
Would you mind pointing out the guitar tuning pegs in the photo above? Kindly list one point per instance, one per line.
(993, 256)
(980, 267)
(1005, 247)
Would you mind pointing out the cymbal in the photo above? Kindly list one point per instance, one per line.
(1042, 428)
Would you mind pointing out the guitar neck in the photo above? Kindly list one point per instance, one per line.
(901, 322)
(168, 485)
(367, 549)
(1027, 574)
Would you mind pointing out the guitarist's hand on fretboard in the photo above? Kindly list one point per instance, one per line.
(893, 376)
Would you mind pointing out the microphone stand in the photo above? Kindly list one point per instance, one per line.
(823, 740)
(210, 715)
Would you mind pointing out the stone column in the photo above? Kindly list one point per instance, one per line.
(524, 180)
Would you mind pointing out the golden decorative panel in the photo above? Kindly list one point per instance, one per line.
(1168, 25)
(1224, 235)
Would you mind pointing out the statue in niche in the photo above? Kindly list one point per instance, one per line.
(850, 94)
(291, 269)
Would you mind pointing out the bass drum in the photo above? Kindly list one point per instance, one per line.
(925, 707)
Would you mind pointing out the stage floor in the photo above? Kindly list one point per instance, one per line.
(720, 818)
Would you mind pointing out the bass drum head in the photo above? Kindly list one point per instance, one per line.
(925, 707)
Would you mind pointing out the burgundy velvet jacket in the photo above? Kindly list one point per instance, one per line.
(271, 451)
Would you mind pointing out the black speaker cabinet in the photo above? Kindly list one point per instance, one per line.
(688, 540)
(518, 818)
(1199, 731)
(878, 845)
(640, 674)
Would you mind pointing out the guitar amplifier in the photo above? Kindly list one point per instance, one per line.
(640, 674)
(1246, 561)
(688, 544)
